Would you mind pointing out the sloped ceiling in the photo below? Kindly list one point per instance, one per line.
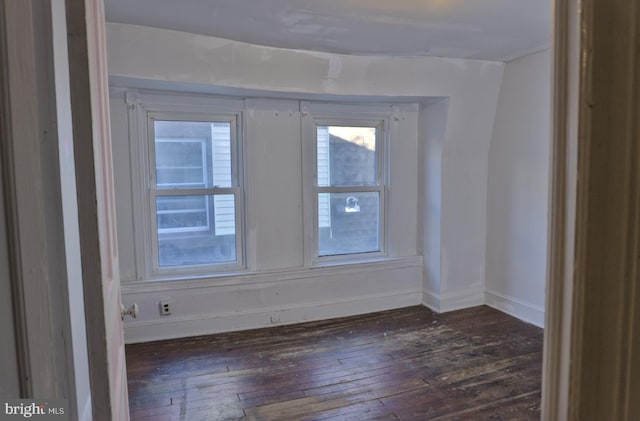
(473, 29)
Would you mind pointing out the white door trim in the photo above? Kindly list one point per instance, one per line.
(38, 207)
(96, 207)
(592, 336)
(555, 377)
(30, 204)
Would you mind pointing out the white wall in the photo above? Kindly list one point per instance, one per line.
(277, 287)
(156, 58)
(433, 124)
(517, 207)
(160, 55)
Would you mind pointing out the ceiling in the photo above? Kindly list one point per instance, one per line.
(473, 29)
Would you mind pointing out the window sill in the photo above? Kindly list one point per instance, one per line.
(244, 278)
(331, 261)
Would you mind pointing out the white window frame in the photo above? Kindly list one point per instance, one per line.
(350, 115)
(144, 109)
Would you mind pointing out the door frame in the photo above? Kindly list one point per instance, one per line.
(89, 95)
(591, 366)
(53, 91)
(38, 202)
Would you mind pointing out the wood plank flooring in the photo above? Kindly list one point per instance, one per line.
(408, 364)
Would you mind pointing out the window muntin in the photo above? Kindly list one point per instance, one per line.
(195, 193)
(349, 190)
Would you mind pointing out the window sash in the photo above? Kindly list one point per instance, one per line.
(232, 120)
(201, 244)
(156, 190)
(345, 221)
(315, 189)
(380, 126)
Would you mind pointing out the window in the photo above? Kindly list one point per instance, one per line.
(194, 191)
(348, 189)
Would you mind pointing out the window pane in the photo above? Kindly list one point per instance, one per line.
(346, 156)
(353, 223)
(192, 154)
(196, 230)
(182, 213)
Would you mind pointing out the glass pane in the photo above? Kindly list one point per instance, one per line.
(192, 154)
(346, 156)
(351, 224)
(196, 230)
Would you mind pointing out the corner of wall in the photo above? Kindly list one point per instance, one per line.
(453, 300)
(516, 308)
(431, 300)
(517, 190)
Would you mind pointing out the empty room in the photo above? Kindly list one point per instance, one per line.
(278, 210)
(350, 198)
(272, 210)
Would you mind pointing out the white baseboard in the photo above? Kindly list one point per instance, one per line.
(519, 309)
(457, 300)
(431, 300)
(217, 323)
(453, 300)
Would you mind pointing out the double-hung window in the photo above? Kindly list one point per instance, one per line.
(195, 195)
(348, 188)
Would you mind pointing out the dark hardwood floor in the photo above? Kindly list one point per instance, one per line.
(408, 364)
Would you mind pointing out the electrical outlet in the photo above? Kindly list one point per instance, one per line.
(166, 307)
